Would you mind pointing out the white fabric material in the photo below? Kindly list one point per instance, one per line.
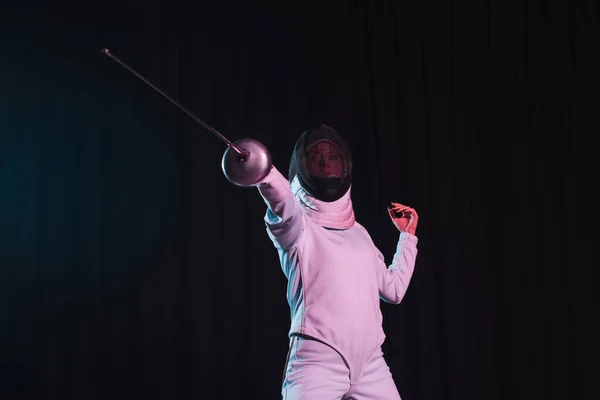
(338, 214)
(336, 277)
(315, 371)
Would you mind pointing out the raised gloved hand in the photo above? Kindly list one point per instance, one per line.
(404, 218)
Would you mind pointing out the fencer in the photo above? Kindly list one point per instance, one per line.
(336, 275)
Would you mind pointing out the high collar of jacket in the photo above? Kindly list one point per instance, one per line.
(337, 214)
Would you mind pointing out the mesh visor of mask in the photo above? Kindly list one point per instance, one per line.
(324, 188)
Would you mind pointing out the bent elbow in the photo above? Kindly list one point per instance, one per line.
(397, 299)
(393, 298)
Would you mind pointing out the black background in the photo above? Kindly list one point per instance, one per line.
(131, 268)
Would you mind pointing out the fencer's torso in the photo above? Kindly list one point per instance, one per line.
(331, 266)
(332, 289)
(336, 275)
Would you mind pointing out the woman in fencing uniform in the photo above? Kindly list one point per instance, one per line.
(336, 275)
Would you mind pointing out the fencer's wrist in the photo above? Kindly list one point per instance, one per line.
(269, 178)
(406, 237)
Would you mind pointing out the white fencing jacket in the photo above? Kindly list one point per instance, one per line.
(336, 275)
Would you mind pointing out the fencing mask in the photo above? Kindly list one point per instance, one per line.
(323, 164)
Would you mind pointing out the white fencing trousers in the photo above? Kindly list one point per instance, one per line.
(315, 371)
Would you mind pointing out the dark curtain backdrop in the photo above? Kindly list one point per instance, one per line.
(130, 268)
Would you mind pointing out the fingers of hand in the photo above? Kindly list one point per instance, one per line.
(398, 210)
(393, 213)
(403, 209)
(398, 207)
(411, 211)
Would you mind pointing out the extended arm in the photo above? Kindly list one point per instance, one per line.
(284, 217)
(393, 280)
